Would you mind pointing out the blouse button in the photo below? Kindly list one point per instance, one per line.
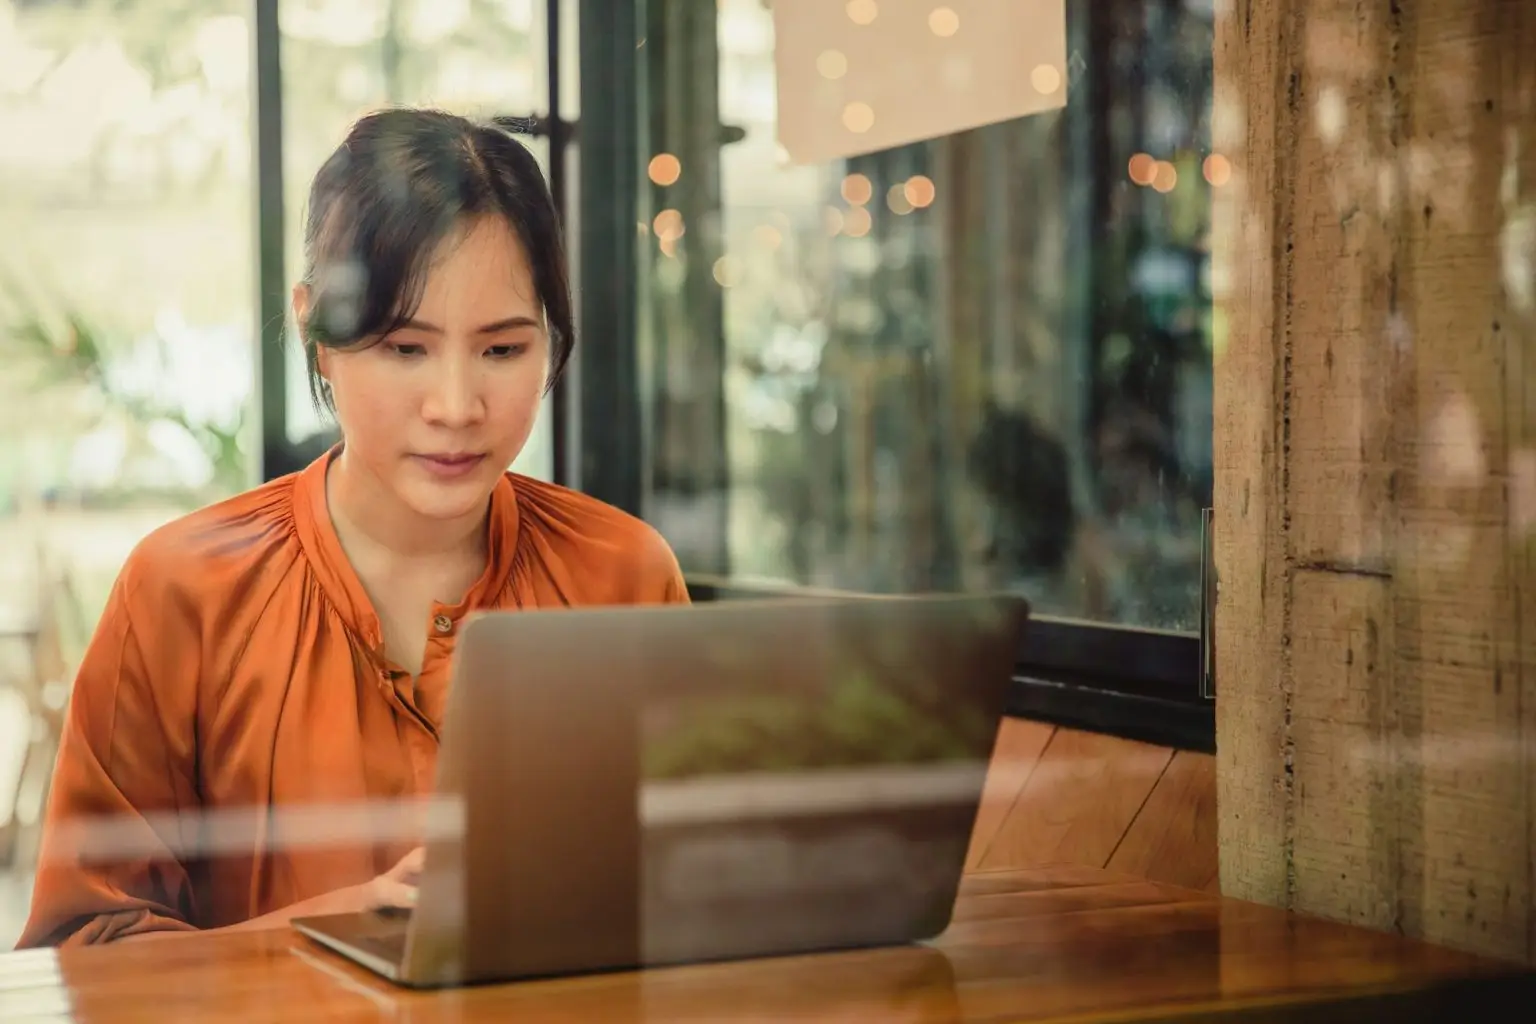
(443, 624)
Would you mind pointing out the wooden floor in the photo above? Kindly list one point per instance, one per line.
(1058, 796)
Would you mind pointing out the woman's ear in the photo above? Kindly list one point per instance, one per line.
(302, 299)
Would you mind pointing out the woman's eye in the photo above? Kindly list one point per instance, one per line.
(505, 351)
(405, 348)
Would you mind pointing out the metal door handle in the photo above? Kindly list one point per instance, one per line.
(1207, 605)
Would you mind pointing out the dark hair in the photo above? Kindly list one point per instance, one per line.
(384, 202)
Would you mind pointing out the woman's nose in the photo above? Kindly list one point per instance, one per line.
(454, 399)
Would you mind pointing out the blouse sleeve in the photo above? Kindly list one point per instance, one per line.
(123, 800)
(664, 577)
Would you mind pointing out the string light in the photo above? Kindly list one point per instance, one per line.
(1217, 169)
(668, 225)
(943, 22)
(1046, 79)
(1142, 169)
(862, 12)
(726, 272)
(920, 191)
(832, 64)
(857, 222)
(664, 169)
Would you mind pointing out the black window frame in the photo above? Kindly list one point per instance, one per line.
(1141, 684)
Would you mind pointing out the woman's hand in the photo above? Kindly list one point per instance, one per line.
(395, 889)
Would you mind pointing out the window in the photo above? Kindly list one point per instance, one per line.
(125, 273)
(127, 328)
(344, 58)
(977, 362)
(982, 361)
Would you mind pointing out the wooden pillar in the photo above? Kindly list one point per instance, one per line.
(1375, 448)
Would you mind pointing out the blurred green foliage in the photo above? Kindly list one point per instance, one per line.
(858, 722)
(68, 351)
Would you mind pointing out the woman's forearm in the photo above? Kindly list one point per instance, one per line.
(339, 902)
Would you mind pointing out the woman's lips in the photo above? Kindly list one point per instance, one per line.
(449, 466)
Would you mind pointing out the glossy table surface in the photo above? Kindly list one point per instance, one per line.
(1060, 943)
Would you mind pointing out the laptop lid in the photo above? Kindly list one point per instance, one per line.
(640, 786)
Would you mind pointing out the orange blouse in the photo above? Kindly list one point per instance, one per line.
(239, 667)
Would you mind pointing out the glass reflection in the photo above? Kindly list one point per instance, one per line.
(126, 333)
(345, 58)
(978, 362)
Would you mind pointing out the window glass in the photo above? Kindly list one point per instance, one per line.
(346, 58)
(126, 289)
(977, 362)
(127, 332)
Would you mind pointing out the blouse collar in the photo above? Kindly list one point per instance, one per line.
(322, 547)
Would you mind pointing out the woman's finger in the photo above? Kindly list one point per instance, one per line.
(408, 866)
(386, 893)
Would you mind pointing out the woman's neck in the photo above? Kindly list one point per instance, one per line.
(365, 513)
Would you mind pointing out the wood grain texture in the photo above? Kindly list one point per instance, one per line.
(1375, 260)
(1097, 801)
(1046, 944)
(1078, 802)
(1250, 230)
(1173, 837)
(1019, 745)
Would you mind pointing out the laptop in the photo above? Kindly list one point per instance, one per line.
(620, 788)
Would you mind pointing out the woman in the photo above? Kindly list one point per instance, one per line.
(288, 649)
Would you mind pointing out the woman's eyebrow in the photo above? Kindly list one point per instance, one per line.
(494, 327)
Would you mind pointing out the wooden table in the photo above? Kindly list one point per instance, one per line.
(1066, 943)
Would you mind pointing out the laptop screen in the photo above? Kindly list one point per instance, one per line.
(827, 787)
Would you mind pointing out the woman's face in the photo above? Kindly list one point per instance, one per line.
(437, 410)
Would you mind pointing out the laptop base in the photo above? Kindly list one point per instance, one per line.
(371, 940)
